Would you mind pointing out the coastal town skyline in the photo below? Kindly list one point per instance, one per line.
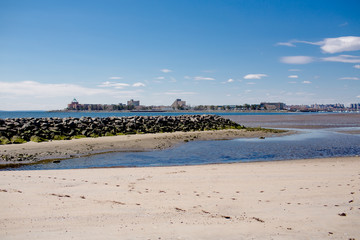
(207, 52)
(181, 105)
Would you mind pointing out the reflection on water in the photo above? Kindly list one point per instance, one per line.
(306, 144)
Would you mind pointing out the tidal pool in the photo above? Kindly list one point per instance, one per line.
(312, 143)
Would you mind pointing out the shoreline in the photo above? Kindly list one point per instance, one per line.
(300, 199)
(32, 152)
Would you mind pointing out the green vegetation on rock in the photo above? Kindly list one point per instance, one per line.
(60, 137)
(37, 139)
(4, 140)
(17, 140)
(78, 136)
(252, 129)
(94, 135)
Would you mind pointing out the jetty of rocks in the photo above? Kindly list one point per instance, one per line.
(20, 130)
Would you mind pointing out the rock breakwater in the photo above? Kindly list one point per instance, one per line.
(21, 130)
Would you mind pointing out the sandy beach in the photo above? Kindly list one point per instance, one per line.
(33, 152)
(297, 199)
(300, 199)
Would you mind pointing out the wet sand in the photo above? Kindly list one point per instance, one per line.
(301, 199)
(349, 131)
(301, 121)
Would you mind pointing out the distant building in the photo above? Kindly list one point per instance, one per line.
(73, 105)
(355, 106)
(133, 103)
(328, 107)
(273, 106)
(178, 104)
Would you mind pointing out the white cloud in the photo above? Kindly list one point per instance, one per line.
(230, 80)
(357, 66)
(288, 44)
(114, 85)
(200, 78)
(292, 82)
(127, 94)
(32, 95)
(43, 90)
(179, 92)
(294, 70)
(343, 59)
(358, 96)
(160, 78)
(251, 83)
(308, 59)
(306, 82)
(115, 78)
(138, 84)
(331, 45)
(165, 70)
(293, 76)
(349, 78)
(291, 43)
(255, 76)
(341, 44)
(304, 94)
(297, 59)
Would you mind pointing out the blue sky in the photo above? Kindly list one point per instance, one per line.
(204, 52)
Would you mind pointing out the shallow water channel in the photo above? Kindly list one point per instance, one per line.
(313, 143)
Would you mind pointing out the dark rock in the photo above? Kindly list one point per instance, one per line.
(24, 129)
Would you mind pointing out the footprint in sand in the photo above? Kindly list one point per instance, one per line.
(60, 195)
(258, 219)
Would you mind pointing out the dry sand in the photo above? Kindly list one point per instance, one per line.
(301, 199)
(138, 142)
